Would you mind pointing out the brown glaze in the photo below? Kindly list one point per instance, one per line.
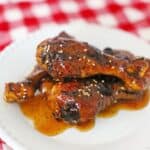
(136, 104)
(38, 110)
(63, 57)
(18, 92)
(21, 91)
(40, 113)
(74, 81)
(79, 101)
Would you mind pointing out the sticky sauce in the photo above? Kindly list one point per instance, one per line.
(38, 110)
(131, 105)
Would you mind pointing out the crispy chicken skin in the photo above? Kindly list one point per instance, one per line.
(64, 57)
(18, 92)
(21, 91)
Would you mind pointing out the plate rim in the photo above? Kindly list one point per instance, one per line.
(4, 133)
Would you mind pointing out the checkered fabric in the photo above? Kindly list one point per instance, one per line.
(17, 17)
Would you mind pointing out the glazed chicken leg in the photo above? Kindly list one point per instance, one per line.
(64, 57)
(78, 80)
(21, 91)
(78, 102)
(75, 101)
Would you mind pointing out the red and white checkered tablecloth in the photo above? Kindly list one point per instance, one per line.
(18, 17)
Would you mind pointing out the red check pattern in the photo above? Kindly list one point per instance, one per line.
(21, 17)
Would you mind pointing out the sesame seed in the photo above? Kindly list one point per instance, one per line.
(94, 81)
(122, 88)
(116, 92)
(47, 61)
(69, 57)
(21, 85)
(95, 85)
(133, 82)
(61, 45)
(102, 95)
(102, 81)
(97, 92)
(121, 69)
(89, 90)
(25, 90)
(115, 101)
(60, 51)
(86, 94)
(79, 90)
(88, 60)
(93, 64)
(85, 50)
(91, 84)
(23, 96)
(62, 65)
(47, 48)
(110, 61)
(84, 57)
(25, 93)
(113, 67)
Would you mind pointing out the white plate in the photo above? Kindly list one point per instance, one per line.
(18, 60)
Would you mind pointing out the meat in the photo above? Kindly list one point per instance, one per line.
(21, 91)
(79, 81)
(18, 92)
(36, 76)
(77, 102)
(64, 57)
